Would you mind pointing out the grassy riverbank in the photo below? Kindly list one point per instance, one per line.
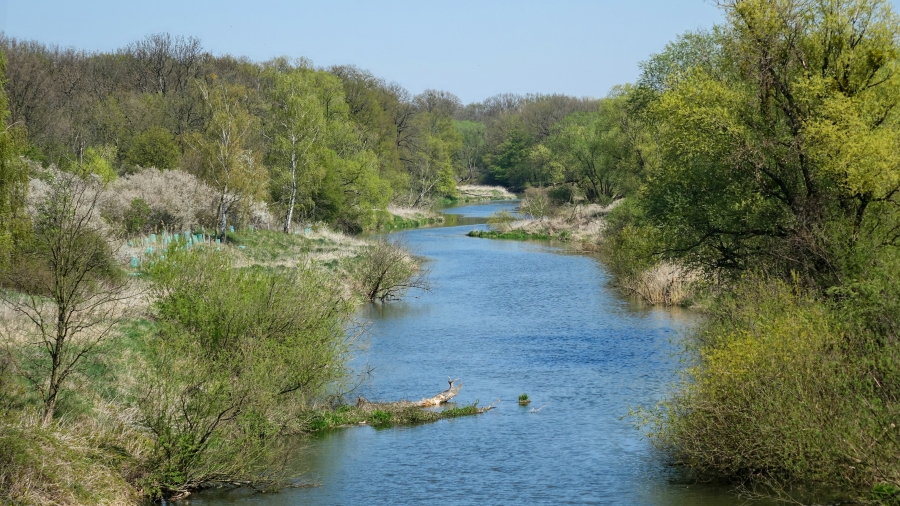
(250, 335)
(382, 415)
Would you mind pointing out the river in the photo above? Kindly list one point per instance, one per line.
(506, 317)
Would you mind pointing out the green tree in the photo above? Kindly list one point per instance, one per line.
(13, 178)
(99, 162)
(431, 162)
(601, 151)
(154, 147)
(70, 288)
(786, 156)
(227, 161)
(298, 134)
(506, 160)
(469, 158)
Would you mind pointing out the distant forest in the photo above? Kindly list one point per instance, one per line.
(330, 144)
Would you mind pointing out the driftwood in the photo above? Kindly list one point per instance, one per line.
(428, 402)
(442, 397)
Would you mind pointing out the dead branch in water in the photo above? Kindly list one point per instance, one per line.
(428, 402)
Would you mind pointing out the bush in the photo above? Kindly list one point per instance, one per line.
(155, 147)
(386, 270)
(536, 203)
(501, 221)
(238, 354)
(176, 201)
(560, 195)
(781, 391)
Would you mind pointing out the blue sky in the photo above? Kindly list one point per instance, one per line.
(474, 49)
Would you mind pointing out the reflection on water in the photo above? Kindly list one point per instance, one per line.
(507, 317)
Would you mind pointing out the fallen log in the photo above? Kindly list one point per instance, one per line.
(427, 402)
(442, 397)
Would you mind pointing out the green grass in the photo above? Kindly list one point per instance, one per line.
(382, 415)
(515, 235)
(272, 246)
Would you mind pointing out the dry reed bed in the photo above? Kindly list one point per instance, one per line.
(581, 226)
(484, 192)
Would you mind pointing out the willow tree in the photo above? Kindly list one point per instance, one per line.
(781, 147)
(227, 161)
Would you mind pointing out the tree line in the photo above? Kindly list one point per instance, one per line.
(334, 145)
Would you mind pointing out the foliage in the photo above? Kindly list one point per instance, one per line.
(137, 217)
(774, 174)
(537, 203)
(177, 201)
(227, 161)
(507, 161)
(515, 235)
(469, 158)
(237, 354)
(96, 161)
(155, 147)
(501, 221)
(13, 178)
(768, 162)
(382, 415)
(431, 169)
(781, 390)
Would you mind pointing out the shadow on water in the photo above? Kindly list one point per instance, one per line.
(507, 317)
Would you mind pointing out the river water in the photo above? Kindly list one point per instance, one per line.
(506, 317)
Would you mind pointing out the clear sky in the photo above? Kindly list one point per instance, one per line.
(471, 48)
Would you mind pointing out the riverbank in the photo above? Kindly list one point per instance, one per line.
(110, 441)
(585, 228)
(411, 217)
(579, 227)
(483, 193)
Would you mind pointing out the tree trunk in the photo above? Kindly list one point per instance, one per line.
(223, 214)
(293, 198)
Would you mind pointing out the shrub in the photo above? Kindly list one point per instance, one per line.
(501, 221)
(154, 147)
(560, 195)
(536, 203)
(386, 270)
(176, 199)
(238, 354)
(780, 391)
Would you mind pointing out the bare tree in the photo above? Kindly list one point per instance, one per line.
(67, 288)
(388, 269)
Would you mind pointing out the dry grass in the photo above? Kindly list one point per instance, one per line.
(666, 284)
(70, 462)
(580, 225)
(481, 192)
(413, 213)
